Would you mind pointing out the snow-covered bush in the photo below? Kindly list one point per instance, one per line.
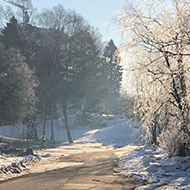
(173, 141)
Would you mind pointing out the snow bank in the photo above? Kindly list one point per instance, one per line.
(95, 121)
(154, 166)
(120, 133)
(15, 165)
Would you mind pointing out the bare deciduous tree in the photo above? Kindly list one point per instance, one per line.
(158, 46)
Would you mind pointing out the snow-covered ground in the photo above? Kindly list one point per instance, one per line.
(154, 166)
(148, 164)
(119, 133)
(11, 166)
(5, 160)
(78, 129)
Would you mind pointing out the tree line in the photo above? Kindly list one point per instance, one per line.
(54, 61)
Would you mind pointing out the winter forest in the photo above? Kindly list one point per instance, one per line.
(55, 67)
(53, 62)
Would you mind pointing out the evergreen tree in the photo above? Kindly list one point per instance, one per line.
(112, 68)
(23, 37)
(17, 89)
(85, 63)
(72, 55)
(12, 35)
(112, 71)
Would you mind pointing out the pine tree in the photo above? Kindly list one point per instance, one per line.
(12, 35)
(23, 37)
(17, 89)
(112, 68)
(112, 71)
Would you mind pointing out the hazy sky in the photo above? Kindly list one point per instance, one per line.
(96, 12)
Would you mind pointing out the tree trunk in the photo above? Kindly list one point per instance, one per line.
(35, 134)
(52, 139)
(45, 119)
(23, 131)
(179, 92)
(154, 135)
(66, 124)
(84, 116)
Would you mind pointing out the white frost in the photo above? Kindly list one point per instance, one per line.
(154, 166)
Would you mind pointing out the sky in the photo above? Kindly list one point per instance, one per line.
(97, 12)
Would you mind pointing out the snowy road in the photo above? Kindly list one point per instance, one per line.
(86, 167)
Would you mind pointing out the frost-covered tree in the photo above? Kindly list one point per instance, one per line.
(17, 88)
(157, 53)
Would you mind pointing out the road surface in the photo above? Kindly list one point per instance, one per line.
(94, 171)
